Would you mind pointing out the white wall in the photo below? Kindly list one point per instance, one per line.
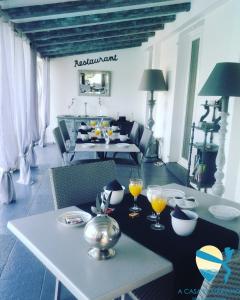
(125, 100)
(218, 24)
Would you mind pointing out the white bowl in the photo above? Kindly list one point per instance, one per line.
(123, 138)
(184, 227)
(85, 137)
(84, 127)
(116, 197)
(114, 136)
(114, 127)
(224, 212)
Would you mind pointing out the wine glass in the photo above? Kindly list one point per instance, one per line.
(109, 132)
(97, 132)
(135, 188)
(150, 189)
(158, 202)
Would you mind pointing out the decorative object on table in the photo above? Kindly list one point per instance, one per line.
(224, 81)
(150, 189)
(135, 188)
(116, 190)
(205, 159)
(74, 218)
(159, 202)
(224, 212)
(152, 80)
(183, 221)
(102, 232)
(94, 83)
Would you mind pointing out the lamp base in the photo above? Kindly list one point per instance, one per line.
(152, 152)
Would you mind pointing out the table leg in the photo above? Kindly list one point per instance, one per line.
(58, 287)
(100, 155)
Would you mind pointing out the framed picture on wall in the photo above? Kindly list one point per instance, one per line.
(94, 83)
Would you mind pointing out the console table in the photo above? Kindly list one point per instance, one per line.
(73, 122)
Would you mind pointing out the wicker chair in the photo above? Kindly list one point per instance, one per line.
(79, 184)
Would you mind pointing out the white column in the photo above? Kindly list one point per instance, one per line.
(218, 187)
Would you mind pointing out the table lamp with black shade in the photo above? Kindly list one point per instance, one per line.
(152, 80)
(224, 81)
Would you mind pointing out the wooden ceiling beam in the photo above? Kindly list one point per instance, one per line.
(89, 37)
(156, 23)
(90, 50)
(93, 43)
(50, 24)
(71, 7)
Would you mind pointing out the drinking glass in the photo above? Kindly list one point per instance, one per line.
(97, 132)
(135, 188)
(150, 189)
(158, 202)
(93, 123)
(109, 132)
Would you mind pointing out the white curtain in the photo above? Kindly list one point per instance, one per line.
(44, 99)
(19, 111)
(8, 144)
(31, 80)
(22, 107)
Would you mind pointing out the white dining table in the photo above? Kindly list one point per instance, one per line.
(94, 147)
(65, 253)
(205, 201)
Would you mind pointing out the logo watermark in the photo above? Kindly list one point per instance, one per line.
(209, 260)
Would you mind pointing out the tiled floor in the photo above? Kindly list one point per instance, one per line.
(22, 276)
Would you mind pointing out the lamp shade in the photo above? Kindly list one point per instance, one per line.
(153, 80)
(223, 81)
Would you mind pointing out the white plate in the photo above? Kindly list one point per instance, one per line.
(224, 212)
(76, 213)
(88, 145)
(122, 145)
(173, 193)
(183, 203)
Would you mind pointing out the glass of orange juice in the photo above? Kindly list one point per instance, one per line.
(97, 132)
(93, 123)
(135, 188)
(158, 202)
(109, 132)
(150, 189)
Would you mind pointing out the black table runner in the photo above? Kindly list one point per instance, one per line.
(181, 251)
